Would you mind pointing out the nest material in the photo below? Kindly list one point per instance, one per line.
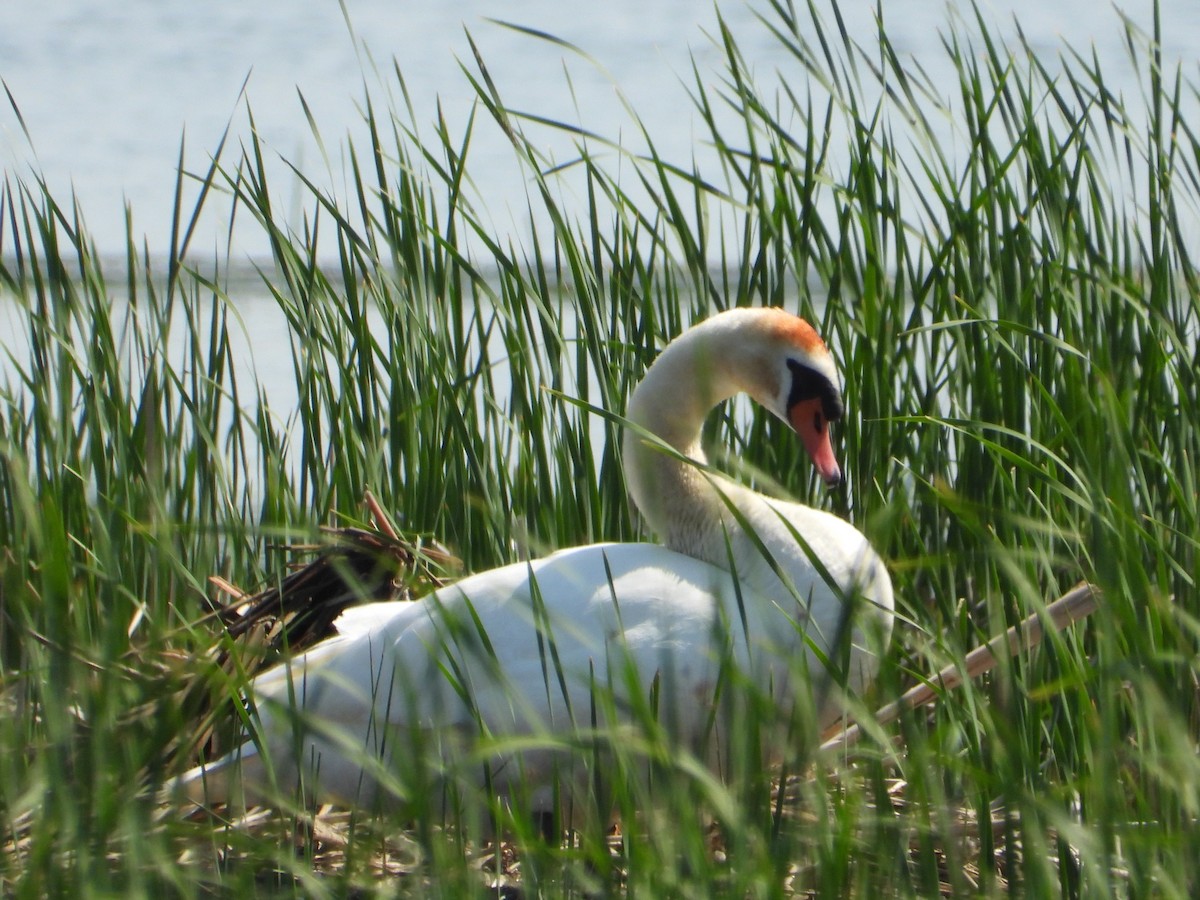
(355, 566)
(352, 566)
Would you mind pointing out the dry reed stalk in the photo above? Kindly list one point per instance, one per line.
(1078, 603)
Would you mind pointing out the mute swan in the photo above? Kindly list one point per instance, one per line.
(521, 651)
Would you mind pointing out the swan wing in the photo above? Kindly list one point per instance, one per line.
(533, 651)
(528, 644)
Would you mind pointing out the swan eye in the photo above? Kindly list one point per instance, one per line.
(807, 384)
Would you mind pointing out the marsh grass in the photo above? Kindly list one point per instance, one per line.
(1013, 308)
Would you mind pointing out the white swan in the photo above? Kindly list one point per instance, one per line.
(569, 641)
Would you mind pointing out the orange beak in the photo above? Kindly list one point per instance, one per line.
(810, 424)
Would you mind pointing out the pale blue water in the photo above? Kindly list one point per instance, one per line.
(108, 89)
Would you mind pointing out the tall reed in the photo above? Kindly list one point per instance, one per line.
(1014, 311)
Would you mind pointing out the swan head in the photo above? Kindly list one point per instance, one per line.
(775, 357)
(793, 376)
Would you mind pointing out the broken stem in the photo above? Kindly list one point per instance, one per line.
(1079, 602)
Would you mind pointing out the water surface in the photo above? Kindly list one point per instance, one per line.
(108, 91)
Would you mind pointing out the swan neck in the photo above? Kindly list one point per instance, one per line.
(679, 502)
(689, 378)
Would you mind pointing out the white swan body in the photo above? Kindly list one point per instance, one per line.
(577, 639)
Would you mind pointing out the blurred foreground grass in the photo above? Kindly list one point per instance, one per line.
(1014, 312)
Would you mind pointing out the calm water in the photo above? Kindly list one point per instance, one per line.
(109, 89)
